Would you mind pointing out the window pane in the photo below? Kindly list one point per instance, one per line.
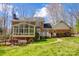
(20, 29)
(31, 30)
(25, 31)
(26, 26)
(15, 30)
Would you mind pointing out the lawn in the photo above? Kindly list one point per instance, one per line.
(69, 46)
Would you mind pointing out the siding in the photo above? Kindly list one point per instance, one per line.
(61, 25)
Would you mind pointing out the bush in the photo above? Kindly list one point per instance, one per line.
(36, 36)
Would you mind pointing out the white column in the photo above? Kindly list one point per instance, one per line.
(18, 30)
(13, 30)
(34, 30)
(28, 30)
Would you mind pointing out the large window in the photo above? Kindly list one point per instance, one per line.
(20, 29)
(23, 29)
(31, 30)
(15, 30)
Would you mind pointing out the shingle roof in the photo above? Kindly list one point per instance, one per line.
(61, 25)
(37, 19)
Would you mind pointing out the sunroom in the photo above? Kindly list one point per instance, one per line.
(23, 30)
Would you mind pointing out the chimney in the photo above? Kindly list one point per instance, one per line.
(15, 17)
(14, 14)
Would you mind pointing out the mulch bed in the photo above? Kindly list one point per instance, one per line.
(12, 42)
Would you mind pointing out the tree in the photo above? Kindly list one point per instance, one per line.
(77, 20)
(1, 30)
(5, 18)
(75, 14)
(77, 25)
(55, 12)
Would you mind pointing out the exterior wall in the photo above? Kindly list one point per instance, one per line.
(61, 31)
(61, 26)
(44, 33)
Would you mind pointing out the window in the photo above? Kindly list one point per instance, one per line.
(23, 29)
(20, 29)
(15, 30)
(31, 30)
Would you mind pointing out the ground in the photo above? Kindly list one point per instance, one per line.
(67, 46)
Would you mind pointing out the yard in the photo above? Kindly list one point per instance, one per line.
(67, 46)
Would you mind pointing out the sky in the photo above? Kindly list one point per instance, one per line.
(31, 9)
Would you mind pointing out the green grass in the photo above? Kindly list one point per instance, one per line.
(69, 46)
(77, 25)
(72, 39)
(45, 41)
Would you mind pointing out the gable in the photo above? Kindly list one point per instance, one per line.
(61, 25)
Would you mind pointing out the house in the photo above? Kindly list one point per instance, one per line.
(57, 30)
(61, 29)
(46, 30)
(25, 28)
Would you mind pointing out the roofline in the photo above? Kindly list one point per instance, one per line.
(63, 22)
(23, 23)
(30, 19)
(21, 20)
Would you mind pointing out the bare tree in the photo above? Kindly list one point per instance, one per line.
(4, 9)
(74, 18)
(5, 16)
(76, 15)
(55, 12)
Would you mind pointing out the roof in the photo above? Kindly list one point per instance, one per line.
(23, 20)
(61, 25)
(30, 19)
(47, 25)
